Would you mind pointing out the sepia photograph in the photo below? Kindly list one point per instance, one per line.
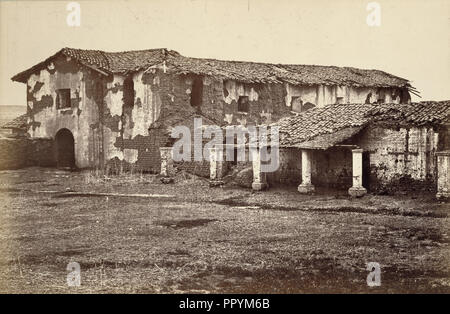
(225, 152)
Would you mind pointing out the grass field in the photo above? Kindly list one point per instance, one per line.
(134, 234)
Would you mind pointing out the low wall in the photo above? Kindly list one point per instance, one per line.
(199, 168)
(23, 152)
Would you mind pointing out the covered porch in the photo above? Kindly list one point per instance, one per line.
(328, 160)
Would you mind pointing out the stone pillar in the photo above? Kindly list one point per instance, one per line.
(443, 175)
(166, 161)
(357, 190)
(306, 186)
(215, 163)
(259, 177)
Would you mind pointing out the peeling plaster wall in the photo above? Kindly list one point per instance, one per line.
(306, 94)
(46, 120)
(108, 131)
(323, 95)
(401, 159)
(112, 118)
(266, 103)
(147, 104)
(161, 94)
(134, 144)
(236, 89)
(394, 160)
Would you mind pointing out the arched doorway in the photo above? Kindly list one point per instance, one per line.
(65, 149)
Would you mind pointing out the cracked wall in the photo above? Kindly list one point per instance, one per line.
(266, 103)
(133, 144)
(45, 119)
(106, 129)
(401, 158)
(323, 95)
(395, 159)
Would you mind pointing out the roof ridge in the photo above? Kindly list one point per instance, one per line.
(299, 130)
(123, 62)
(123, 51)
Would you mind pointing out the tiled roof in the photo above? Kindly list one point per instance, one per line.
(304, 129)
(250, 72)
(18, 123)
(110, 62)
(131, 61)
(333, 75)
(94, 58)
(254, 72)
(328, 140)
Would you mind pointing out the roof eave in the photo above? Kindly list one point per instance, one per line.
(22, 77)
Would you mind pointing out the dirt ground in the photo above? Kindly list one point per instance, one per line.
(133, 234)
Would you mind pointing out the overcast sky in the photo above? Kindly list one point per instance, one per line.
(412, 41)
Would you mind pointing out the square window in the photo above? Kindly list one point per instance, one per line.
(63, 98)
(243, 104)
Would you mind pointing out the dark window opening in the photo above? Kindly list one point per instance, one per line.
(369, 96)
(443, 139)
(296, 103)
(366, 170)
(243, 104)
(128, 92)
(197, 92)
(225, 90)
(63, 98)
(381, 96)
(405, 97)
(339, 100)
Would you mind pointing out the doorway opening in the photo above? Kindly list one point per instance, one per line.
(65, 149)
(366, 170)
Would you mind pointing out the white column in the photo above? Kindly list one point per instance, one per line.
(166, 161)
(443, 175)
(259, 177)
(306, 186)
(215, 163)
(357, 190)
